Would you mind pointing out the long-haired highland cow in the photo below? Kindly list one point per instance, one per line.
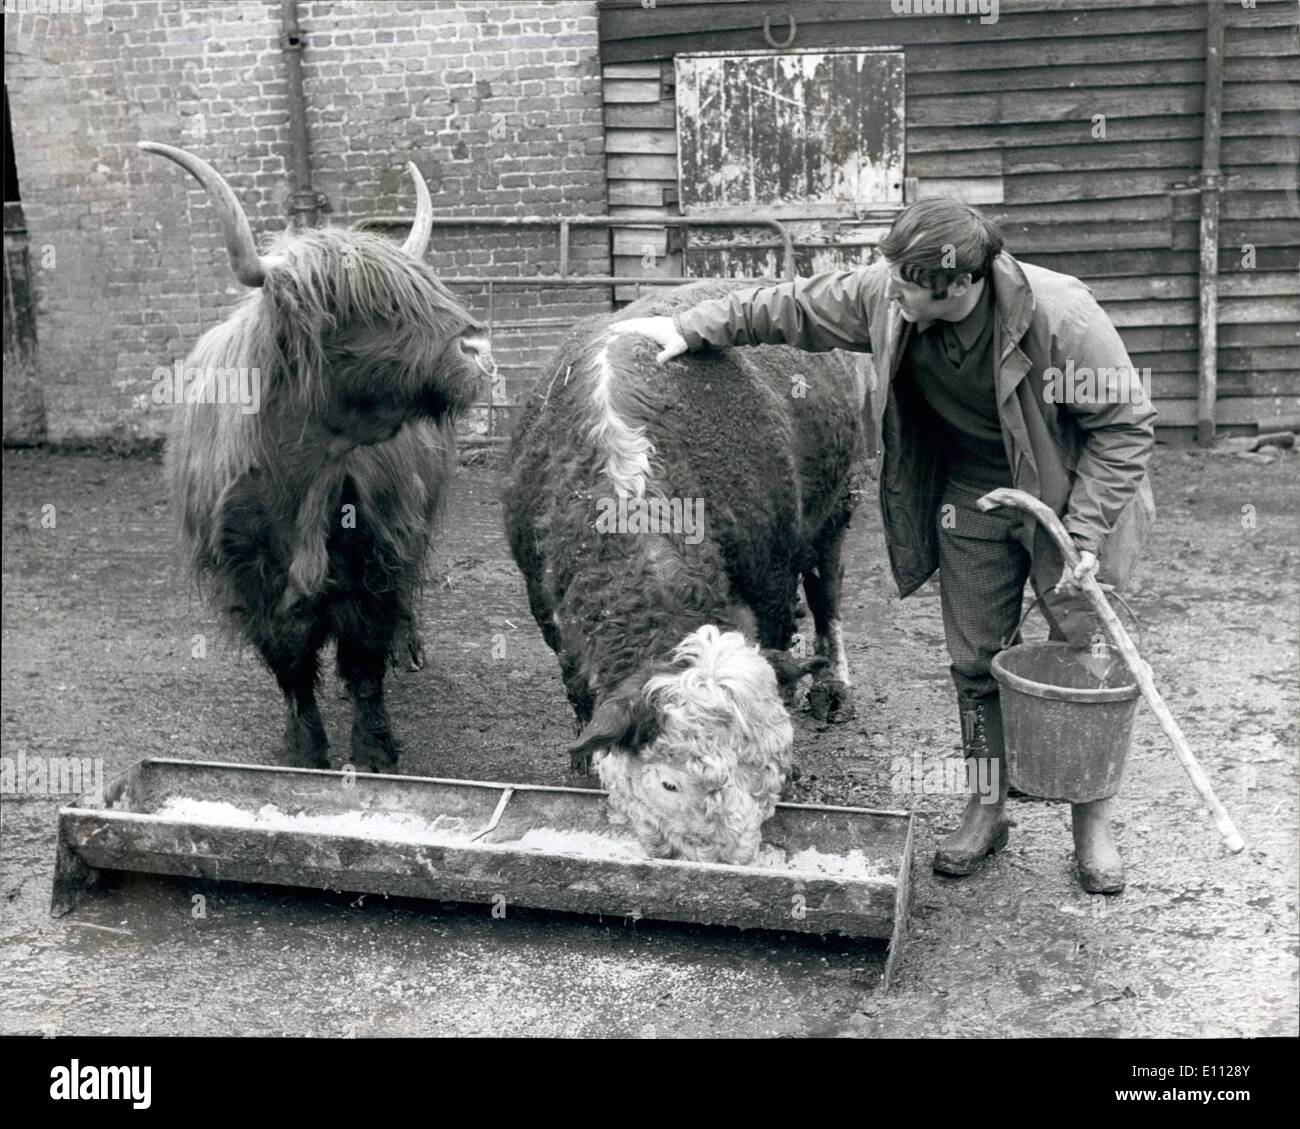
(309, 519)
(662, 518)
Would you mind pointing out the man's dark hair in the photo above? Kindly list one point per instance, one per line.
(936, 241)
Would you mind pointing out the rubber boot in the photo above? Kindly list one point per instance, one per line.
(1100, 869)
(984, 827)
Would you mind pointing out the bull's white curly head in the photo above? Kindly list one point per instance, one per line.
(695, 757)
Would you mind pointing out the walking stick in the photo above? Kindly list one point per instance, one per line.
(1043, 514)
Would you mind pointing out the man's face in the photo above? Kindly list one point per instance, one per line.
(916, 303)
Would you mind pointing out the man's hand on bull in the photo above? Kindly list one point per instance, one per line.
(1071, 577)
(662, 331)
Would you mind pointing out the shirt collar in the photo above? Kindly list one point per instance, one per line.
(969, 328)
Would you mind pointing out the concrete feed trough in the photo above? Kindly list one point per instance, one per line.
(826, 870)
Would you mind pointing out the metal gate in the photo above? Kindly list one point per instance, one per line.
(783, 242)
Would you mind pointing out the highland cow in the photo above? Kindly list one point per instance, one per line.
(662, 518)
(309, 519)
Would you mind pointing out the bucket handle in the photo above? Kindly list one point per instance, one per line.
(1038, 599)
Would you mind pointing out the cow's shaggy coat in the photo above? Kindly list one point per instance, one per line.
(659, 633)
(309, 519)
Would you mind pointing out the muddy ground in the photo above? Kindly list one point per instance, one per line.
(98, 636)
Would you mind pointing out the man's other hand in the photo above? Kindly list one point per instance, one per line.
(662, 331)
(1070, 577)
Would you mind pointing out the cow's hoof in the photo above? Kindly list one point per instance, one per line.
(315, 758)
(375, 752)
(831, 701)
(305, 744)
(580, 763)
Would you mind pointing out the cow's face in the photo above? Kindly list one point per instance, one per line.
(695, 757)
(359, 333)
(371, 335)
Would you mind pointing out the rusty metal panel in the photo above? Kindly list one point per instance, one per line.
(797, 132)
(820, 244)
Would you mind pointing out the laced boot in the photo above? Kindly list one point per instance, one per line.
(984, 827)
(1100, 869)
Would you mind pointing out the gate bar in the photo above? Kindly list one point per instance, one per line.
(566, 223)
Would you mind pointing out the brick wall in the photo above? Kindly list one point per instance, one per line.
(498, 103)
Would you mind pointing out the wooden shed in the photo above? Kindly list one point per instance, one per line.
(1078, 124)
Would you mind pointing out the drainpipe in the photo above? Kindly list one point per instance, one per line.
(305, 203)
(1208, 387)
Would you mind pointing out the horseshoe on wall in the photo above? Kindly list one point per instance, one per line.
(767, 32)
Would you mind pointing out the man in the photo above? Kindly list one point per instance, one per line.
(973, 348)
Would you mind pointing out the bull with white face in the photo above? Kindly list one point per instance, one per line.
(663, 519)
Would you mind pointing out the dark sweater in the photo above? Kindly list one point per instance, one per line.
(962, 396)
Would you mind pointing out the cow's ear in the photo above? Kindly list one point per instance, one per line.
(624, 719)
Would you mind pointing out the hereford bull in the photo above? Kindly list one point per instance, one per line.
(309, 519)
(662, 519)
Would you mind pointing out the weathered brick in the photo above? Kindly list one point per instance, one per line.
(139, 269)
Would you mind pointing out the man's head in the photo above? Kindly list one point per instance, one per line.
(939, 250)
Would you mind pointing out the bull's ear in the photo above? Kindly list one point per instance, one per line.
(623, 719)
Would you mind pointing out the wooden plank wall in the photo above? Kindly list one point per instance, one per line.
(1008, 111)
(641, 166)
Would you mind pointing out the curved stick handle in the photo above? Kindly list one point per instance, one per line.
(1043, 514)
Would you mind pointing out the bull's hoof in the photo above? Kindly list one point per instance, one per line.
(831, 701)
(375, 752)
(580, 763)
(310, 758)
(305, 744)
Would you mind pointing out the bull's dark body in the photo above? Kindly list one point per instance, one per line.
(310, 520)
(776, 472)
(366, 605)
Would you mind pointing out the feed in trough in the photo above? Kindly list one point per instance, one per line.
(587, 843)
(449, 829)
(399, 826)
(810, 860)
(853, 865)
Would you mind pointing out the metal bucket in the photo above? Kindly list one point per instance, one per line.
(1067, 715)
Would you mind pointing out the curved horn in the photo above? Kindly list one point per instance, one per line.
(422, 226)
(250, 268)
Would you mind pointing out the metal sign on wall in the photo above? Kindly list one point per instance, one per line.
(790, 132)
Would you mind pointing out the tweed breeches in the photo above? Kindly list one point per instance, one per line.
(982, 572)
